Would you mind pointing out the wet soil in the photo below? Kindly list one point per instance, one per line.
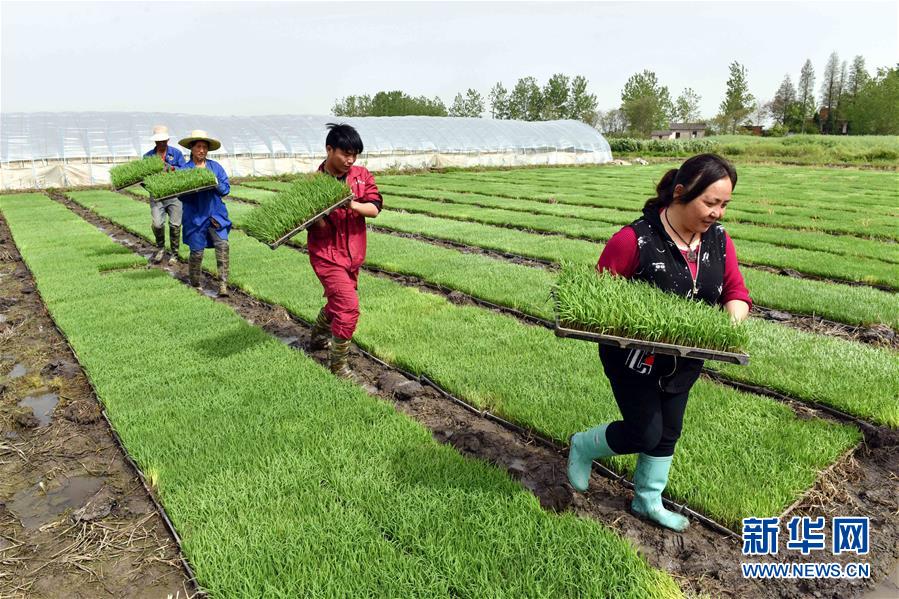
(702, 560)
(75, 521)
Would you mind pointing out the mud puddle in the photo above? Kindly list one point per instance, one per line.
(41, 406)
(41, 503)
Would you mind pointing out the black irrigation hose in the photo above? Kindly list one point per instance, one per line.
(192, 578)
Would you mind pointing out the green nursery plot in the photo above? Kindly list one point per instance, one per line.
(811, 240)
(821, 264)
(843, 303)
(284, 480)
(288, 209)
(610, 305)
(554, 386)
(177, 182)
(134, 171)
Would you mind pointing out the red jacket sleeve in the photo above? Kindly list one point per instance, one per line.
(734, 286)
(371, 193)
(620, 256)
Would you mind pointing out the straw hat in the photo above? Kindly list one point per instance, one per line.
(200, 135)
(160, 133)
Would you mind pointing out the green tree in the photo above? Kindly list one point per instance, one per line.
(830, 89)
(389, 103)
(646, 104)
(738, 103)
(581, 105)
(499, 102)
(686, 107)
(782, 106)
(805, 95)
(469, 105)
(526, 100)
(875, 110)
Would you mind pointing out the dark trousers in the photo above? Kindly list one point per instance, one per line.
(652, 415)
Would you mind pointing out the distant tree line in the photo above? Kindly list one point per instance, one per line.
(849, 100)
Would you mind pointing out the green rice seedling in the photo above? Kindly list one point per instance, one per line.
(289, 209)
(384, 511)
(133, 172)
(529, 376)
(610, 305)
(184, 181)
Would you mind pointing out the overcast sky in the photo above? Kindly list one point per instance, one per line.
(259, 58)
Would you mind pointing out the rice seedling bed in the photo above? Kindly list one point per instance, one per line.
(171, 184)
(240, 468)
(468, 351)
(839, 302)
(632, 314)
(308, 200)
(132, 173)
(821, 264)
(528, 290)
(811, 240)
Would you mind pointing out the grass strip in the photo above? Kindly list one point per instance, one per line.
(845, 268)
(288, 209)
(609, 305)
(182, 181)
(283, 480)
(135, 171)
(843, 303)
(551, 385)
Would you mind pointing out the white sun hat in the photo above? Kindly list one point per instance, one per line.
(160, 133)
(200, 135)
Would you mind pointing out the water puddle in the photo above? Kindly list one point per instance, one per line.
(17, 371)
(34, 507)
(2, 318)
(288, 340)
(210, 293)
(42, 406)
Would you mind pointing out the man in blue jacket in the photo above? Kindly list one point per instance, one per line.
(158, 209)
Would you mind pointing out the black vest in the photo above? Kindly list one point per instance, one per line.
(663, 265)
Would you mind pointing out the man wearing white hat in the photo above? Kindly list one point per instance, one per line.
(158, 209)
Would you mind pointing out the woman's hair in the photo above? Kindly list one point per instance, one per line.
(695, 174)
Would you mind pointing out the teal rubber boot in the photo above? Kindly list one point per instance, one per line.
(586, 447)
(650, 479)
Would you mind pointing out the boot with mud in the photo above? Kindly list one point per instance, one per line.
(340, 349)
(174, 243)
(222, 263)
(321, 332)
(159, 234)
(195, 268)
(650, 479)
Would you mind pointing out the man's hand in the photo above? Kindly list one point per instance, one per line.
(320, 224)
(366, 209)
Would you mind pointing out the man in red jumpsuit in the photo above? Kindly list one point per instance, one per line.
(337, 246)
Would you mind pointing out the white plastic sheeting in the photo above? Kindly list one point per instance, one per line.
(39, 150)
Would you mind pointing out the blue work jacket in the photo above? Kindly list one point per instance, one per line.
(199, 208)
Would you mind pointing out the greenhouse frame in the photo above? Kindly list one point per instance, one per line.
(70, 149)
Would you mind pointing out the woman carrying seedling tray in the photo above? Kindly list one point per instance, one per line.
(678, 246)
(172, 206)
(205, 218)
(337, 246)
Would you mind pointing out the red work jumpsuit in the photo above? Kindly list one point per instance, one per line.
(337, 250)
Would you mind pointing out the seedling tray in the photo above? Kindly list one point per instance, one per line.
(114, 188)
(652, 346)
(281, 240)
(184, 193)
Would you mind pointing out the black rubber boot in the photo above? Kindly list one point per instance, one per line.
(159, 234)
(321, 332)
(174, 242)
(195, 268)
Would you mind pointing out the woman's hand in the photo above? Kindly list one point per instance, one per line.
(738, 310)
